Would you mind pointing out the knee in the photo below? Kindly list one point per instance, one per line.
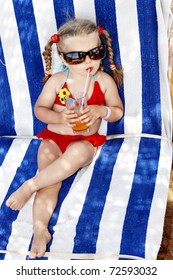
(47, 153)
(84, 151)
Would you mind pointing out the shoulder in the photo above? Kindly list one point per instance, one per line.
(105, 81)
(52, 86)
(56, 80)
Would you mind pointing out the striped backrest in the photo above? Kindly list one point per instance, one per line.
(117, 203)
(138, 29)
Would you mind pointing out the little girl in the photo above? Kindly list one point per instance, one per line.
(80, 45)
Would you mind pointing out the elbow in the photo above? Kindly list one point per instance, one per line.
(121, 113)
(116, 115)
(36, 111)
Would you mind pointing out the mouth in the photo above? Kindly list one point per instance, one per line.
(90, 69)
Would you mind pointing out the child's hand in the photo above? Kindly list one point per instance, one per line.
(91, 113)
(69, 117)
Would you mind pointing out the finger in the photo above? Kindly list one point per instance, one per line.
(89, 121)
(85, 111)
(71, 116)
(69, 112)
(72, 121)
(85, 117)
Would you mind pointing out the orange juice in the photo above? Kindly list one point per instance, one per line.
(79, 126)
(77, 105)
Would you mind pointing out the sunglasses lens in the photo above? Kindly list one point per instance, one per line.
(79, 57)
(74, 57)
(98, 53)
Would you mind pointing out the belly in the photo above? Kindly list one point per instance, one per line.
(77, 129)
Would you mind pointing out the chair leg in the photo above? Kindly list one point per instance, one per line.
(166, 249)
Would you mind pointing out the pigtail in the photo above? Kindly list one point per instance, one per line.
(47, 54)
(117, 72)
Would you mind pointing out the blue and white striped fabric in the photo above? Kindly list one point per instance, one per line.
(117, 204)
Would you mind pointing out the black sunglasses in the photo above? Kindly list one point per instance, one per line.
(79, 57)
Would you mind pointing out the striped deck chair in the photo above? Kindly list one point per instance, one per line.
(115, 207)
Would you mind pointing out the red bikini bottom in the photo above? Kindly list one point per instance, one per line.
(64, 140)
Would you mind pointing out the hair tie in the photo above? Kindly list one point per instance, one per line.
(100, 30)
(47, 73)
(55, 38)
(112, 66)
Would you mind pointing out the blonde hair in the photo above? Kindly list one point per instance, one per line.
(78, 27)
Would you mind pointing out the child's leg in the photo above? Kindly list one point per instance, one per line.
(45, 201)
(77, 155)
(43, 207)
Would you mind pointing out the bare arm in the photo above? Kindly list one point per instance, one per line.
(44, 107)
(112, 101)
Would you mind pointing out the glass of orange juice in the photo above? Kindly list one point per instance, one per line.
(77, 105)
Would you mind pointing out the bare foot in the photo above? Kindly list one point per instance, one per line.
(39, 244)
(18, 199)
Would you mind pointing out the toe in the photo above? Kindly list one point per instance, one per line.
(33, 254)
(13, 206)
(40, 254)
(8, 203)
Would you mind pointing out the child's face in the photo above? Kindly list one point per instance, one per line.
(83, 43)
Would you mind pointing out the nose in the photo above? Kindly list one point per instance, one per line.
(87, 59)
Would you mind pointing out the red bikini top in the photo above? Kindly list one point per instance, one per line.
(96, 98)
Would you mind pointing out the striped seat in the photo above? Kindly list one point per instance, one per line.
(115, 207)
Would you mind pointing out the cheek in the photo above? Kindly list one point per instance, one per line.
(79, 68)
(96, 64)
(76, 68)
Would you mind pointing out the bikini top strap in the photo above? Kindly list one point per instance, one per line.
(67, 74)
(66, 77)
